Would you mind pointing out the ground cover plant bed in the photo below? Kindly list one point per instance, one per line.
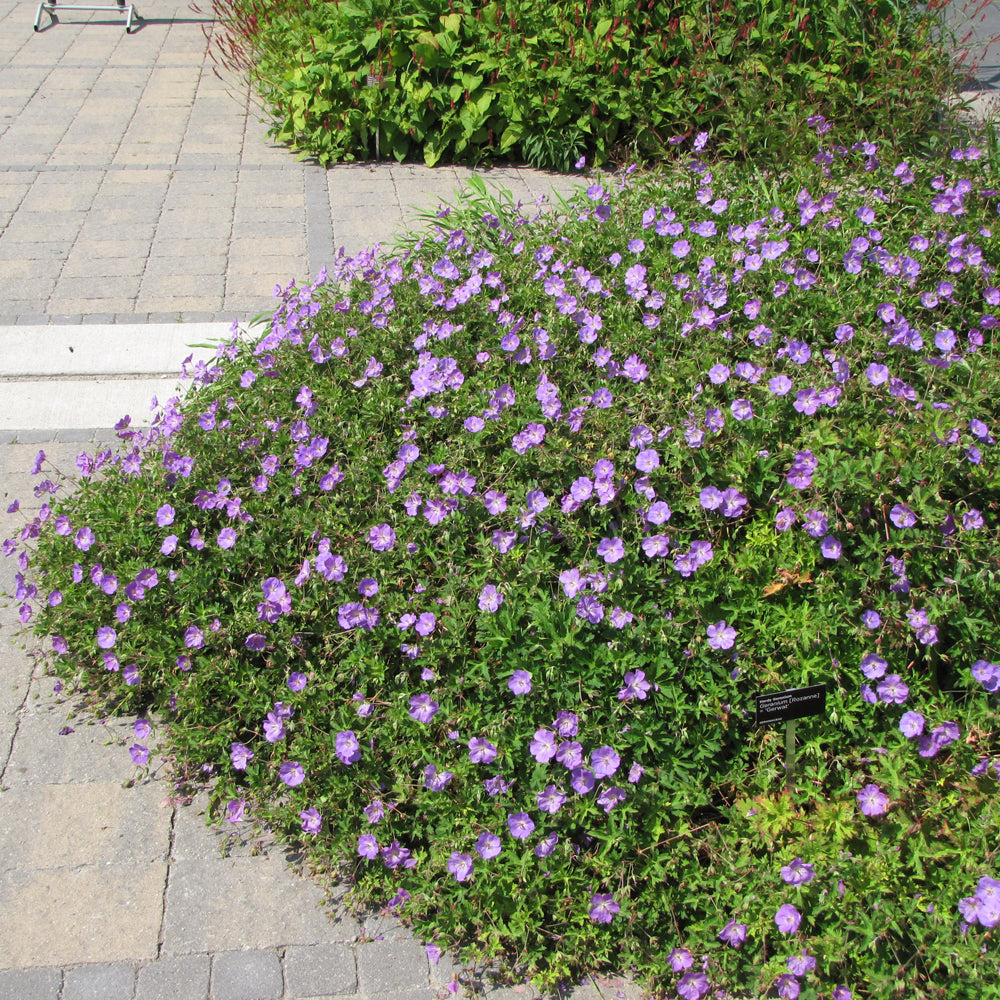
(546, 83)
(466, 575)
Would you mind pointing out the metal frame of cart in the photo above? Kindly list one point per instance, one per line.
(127, 11)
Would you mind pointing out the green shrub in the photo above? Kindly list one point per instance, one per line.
(690, 440)
(551, 83)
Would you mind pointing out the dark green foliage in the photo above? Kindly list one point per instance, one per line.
(548, 83)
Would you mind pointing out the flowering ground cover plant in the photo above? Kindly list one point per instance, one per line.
(466, 574)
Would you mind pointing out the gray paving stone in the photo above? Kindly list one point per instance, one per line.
(392, 965)
(247, 975)
(218, 904)
(30, 984)
(99, 982)
(320, 970)
(182, 977)
(111, 825)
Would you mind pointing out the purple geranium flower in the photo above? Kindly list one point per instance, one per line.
(520, 825)
(423, 708)
(240, 755)
(292, 773)
(693, 985)
(347, 747)
(381, 537)
(902, 516)
(797, 872)
(721, 635)
(605, 761)
(481, 751)
(603, 908)
(460, 865)
(733, 934)
(520, 682)
(312, 821)
(872, 801)
(488, 846)
(611, 550)
(551, 799)
(490, 598)
(787, 919)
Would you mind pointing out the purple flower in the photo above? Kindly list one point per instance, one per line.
(872, 801)
(733, 934)
(911, 724)
(367, 846)
(784, 519)
(490, 598)
(240, 755)
(787, 919)
(255, 641)
(603, 908)
(543, 747)
(797, 872)
(520, 825)
(801, 964)
(567, 724)
(605, 761)
(582, 780)
(636, 686)
(193, 637)
(873, 667)
(611, 550)
(481, 751)
(721, 635)
(425, 623)
(381, 537)
(680, 959)
(546, 846)
(460, 865)
(551, 799)
(106, 637)
(902, 516)
(297, 681)
(347, 747)
(830, 548)
(972, 520)
(693, 985)
(871, 619)
(570, 754)
(520, 682)
(292, 773)
(139, 754)
(590, 608)
(226, 538)
(423, 708)
(169, 545)
(488, 846)
(236, 810)
(141, 728)
(311, 820)
(892, 690)
(647, 460)
(788, 986)
(274, 728)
